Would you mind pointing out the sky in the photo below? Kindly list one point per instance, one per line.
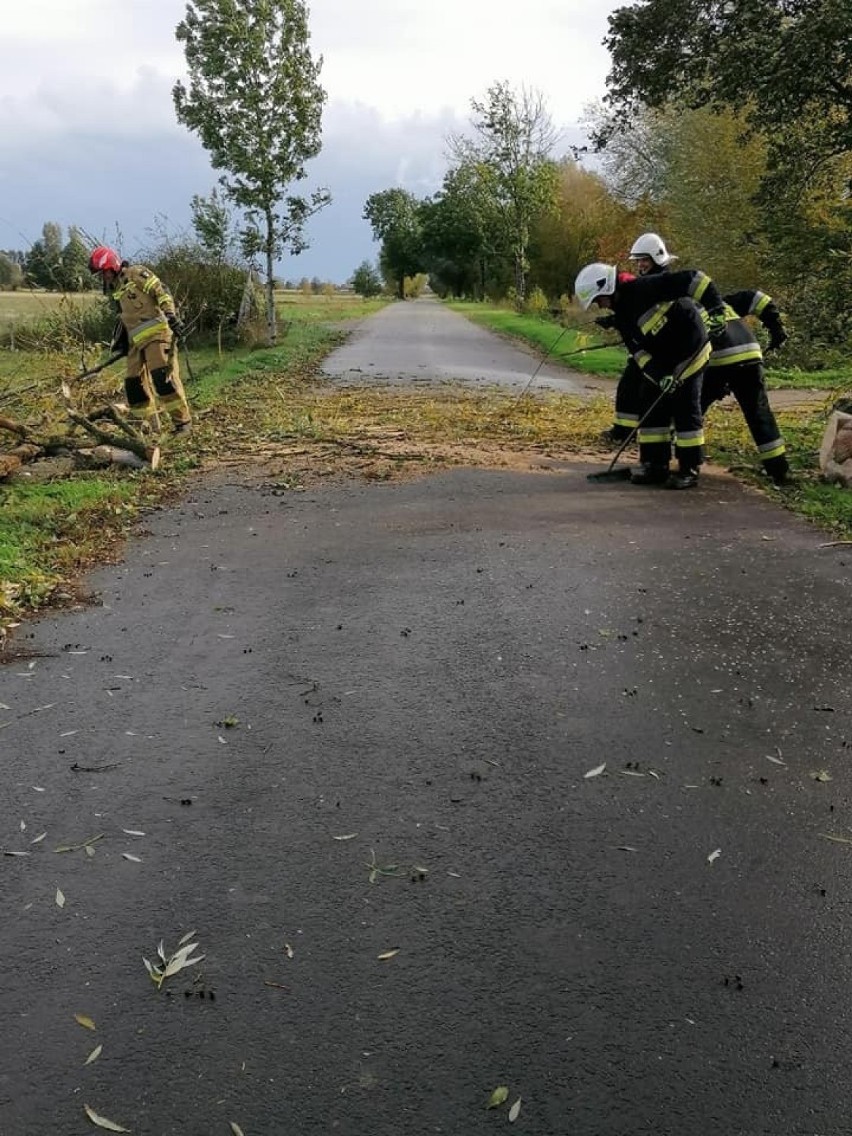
(88, 134)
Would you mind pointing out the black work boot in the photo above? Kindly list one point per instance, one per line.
(648, 474)
(683, 479)
(778, 469)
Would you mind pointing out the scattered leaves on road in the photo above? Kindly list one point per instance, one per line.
(85, 1021)
(102, 1122)
(515, 1111)
(235, 1128)
(94, 1055)
(131, 857)
(346, 836)
(821, 775)
(836, 839)
(60, 898)
(39, 838)
(714, 856)
(596, 772)
(388, 954)
(84, 844)
(132, 832)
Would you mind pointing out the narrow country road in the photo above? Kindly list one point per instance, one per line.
(424, 342)
(484, 779)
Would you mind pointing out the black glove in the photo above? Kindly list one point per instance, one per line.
(777, 340)
(607, 322)
(717, 327)
(178, 330)
(120, 344)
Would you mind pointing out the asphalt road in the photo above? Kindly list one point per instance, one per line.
(424, 342)
(288, 693)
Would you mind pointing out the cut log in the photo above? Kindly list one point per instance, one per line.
(126, 441)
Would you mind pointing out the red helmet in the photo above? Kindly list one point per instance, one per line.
(103, 259)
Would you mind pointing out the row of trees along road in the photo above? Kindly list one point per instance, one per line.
(726, 127)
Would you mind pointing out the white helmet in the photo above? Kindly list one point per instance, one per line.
(649, 244)
(592, 281)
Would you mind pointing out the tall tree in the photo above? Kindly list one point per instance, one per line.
(395, 220)
(43, 265)
(213, 226)
(459, 233)
(74, 275)
(255, 101)
(514, 137)
(782, 61)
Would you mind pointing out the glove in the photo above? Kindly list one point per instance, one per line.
(717, 327)
(120, 344)
(777, 341)
(606, 322)
(667, 384)
(177, 328)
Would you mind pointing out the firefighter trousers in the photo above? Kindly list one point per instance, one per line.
(745, 381)
(628, 399)
(153, 377)
(680, 407)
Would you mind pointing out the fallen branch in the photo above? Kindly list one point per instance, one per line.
(127, 441)
(835, 543)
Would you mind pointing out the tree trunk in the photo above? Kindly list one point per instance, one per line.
(271, 327)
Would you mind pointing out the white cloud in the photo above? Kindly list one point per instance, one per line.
(88, 133)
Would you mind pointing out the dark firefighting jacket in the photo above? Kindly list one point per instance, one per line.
(752, 302)
(662, 324)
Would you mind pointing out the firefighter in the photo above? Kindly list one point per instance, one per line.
(149, 331)
(736, 365)
(666, 332)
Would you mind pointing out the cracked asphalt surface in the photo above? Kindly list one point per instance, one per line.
(423, 673)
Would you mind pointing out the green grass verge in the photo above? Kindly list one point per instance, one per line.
(608, 362)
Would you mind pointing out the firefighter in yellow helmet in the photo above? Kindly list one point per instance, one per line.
(150, 330)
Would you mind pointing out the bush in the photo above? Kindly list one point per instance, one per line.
(208, 294)
(536, 303)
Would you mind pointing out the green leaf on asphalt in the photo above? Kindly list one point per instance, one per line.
(102, 1122)
(822, 775)
(85, 1022)
(498, 1097)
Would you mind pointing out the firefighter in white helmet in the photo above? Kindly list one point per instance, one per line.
(735, 367)
(665, 331)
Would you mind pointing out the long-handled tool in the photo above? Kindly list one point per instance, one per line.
(101, 367)
(567, 355)
(613, 474)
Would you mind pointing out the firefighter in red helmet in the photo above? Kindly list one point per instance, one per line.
(149, 331)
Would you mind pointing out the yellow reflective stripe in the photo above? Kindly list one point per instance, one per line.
(689, 438)
(693, 365)
(150, 329)
(652, 320)
(161, 296)
(772, 449)
(655, 436)
(759, 302)
(628, 420)
(642, 358)
(699, 285)
(744, 353)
